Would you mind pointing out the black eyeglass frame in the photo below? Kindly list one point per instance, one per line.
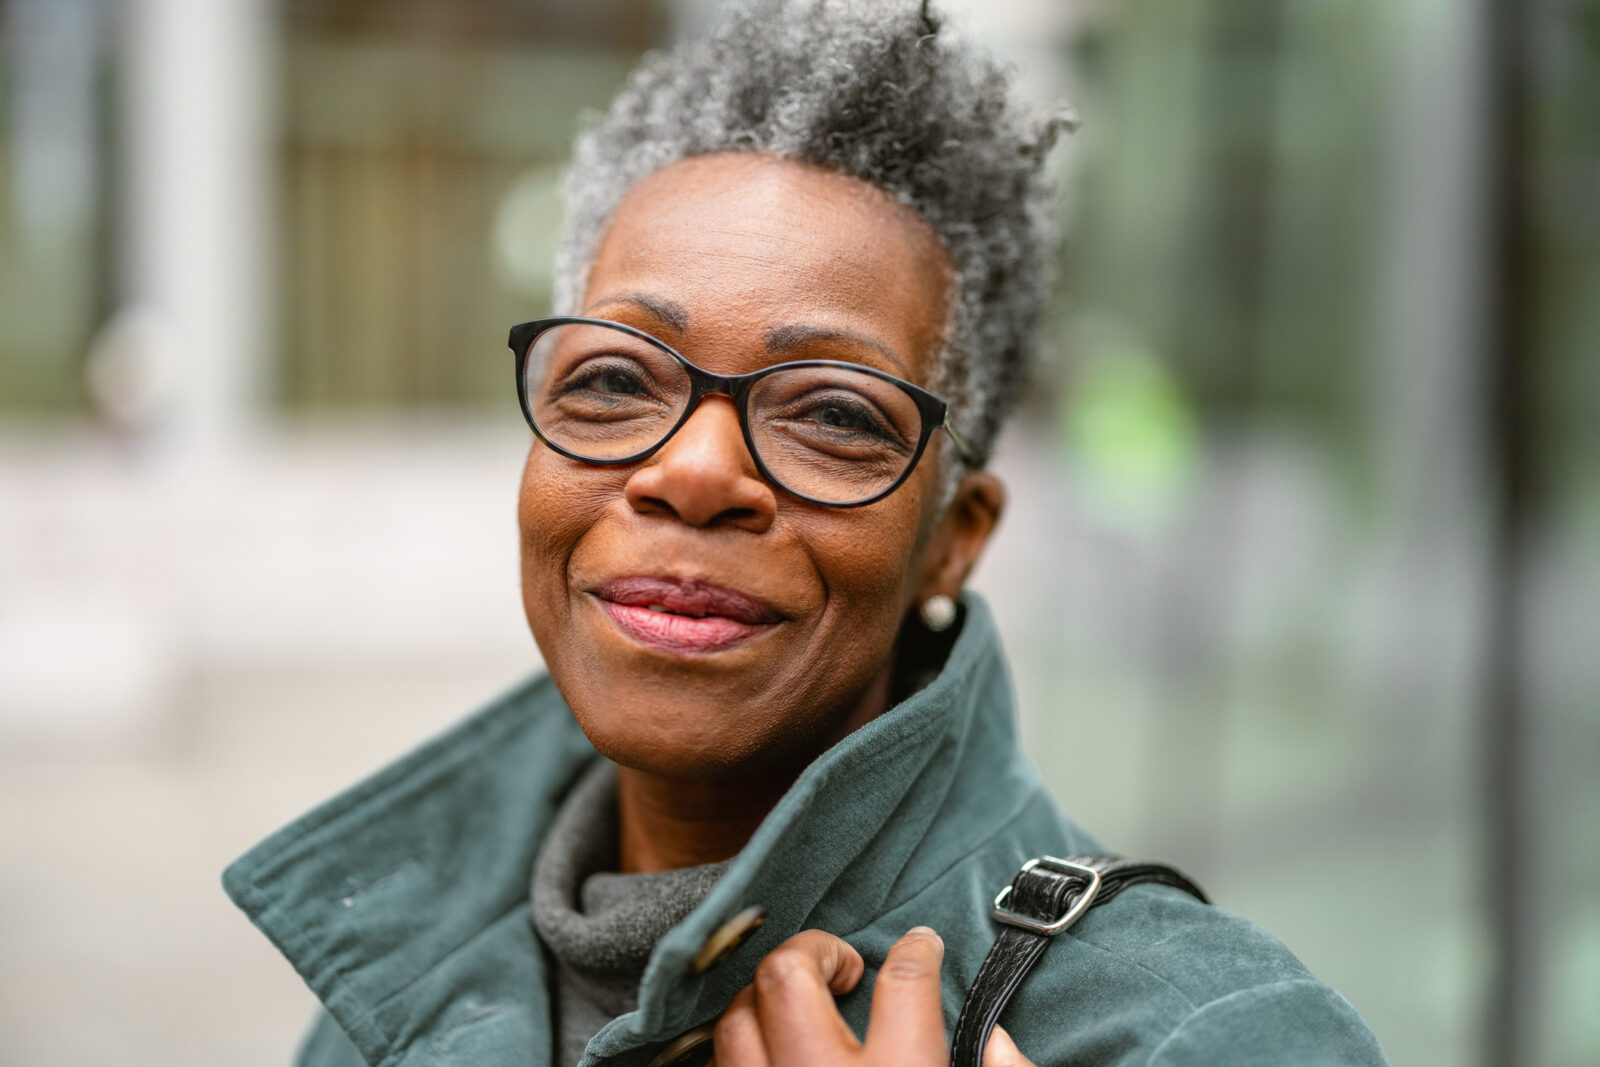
(935, 412)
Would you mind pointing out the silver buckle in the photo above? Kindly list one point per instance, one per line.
(1079, 906)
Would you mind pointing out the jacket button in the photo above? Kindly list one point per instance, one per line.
(682, 1049)
(729, 936)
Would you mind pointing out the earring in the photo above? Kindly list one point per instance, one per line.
(938, 613)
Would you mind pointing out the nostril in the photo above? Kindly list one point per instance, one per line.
(656, 505)
(696, 517)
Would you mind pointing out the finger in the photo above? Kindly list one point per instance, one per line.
(1003, 1052)
(907, 1019)
(736, 1041)
(794, 990)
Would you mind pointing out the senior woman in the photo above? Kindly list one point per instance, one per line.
(775, 748)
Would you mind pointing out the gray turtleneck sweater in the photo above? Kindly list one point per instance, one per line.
(600, 926)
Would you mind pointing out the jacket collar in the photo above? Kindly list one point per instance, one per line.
(403, 902)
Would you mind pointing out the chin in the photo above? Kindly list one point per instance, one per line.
(686, 731)
(698, 752)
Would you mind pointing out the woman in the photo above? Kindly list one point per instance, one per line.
(772, 755)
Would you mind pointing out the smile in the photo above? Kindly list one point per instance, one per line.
(683, 617)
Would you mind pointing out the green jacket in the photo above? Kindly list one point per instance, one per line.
(404, 902)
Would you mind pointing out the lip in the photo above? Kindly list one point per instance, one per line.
(683, 616)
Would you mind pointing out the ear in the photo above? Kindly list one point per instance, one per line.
(960, 535)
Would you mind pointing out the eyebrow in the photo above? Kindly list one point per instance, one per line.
(659, 308)
(778, 338)
(788, 338)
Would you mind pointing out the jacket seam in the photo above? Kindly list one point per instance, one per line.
(400, 1046)
(454, 950)
(1237, 994)
(1130, 961)
(307, 945)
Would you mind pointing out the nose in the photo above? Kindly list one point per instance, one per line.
(704, 475)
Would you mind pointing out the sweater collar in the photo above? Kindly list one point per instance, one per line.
(403, 902)
(601, 926)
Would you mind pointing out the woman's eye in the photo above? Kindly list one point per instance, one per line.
(616, 382)
(612, 381)
(836, 419)
(855, 418)
(844, 418)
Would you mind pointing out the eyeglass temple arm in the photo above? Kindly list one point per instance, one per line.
(962, 447)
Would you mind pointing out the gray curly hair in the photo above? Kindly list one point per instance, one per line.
(875, 91)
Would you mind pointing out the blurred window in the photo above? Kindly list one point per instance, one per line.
(1279, 268)
(55, 134)
(421, 151)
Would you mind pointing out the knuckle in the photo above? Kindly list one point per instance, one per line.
(782, 969)
(814, 942)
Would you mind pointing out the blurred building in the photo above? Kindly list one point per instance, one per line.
(1304, 543)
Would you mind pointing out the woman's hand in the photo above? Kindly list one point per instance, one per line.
(787, 1018)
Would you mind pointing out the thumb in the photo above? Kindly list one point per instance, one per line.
(1003, 1052)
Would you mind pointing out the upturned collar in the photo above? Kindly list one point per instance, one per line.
(403, 901)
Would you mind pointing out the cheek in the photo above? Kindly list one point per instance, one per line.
(556, 506)
(866, 566)
(869, 563)
(885, 551)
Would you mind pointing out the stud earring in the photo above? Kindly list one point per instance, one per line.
(938, 613)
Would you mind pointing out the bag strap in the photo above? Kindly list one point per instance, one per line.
(1046, 896)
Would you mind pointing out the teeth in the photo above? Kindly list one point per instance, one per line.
(661, 609)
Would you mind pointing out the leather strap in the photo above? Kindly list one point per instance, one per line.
(1045, 892)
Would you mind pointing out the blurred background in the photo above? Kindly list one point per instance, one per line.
(1299, 576)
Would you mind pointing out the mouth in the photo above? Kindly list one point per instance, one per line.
(683, 616)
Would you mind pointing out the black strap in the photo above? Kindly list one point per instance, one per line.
(1046, 893)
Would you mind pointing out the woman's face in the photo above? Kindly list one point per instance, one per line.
(701, 622)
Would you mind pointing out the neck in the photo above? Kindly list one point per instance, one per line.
(669, 823)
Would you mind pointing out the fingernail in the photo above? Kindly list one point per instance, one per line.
(930, 931)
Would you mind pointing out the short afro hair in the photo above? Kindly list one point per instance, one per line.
(873, 90)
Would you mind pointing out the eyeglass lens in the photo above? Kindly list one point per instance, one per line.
(829, 433)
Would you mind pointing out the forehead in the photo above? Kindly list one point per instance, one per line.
(746, 246)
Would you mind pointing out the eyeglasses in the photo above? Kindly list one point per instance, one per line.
(828, 432)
